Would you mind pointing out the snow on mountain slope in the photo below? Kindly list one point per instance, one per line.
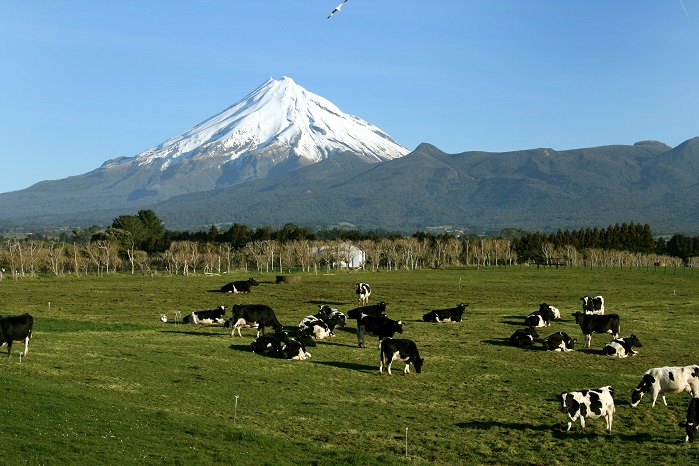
(279, 120)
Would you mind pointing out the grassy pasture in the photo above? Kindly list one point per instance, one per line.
(105, 382)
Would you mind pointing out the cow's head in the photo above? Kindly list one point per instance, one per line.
(634, 341)
(578, 317)
(252, 282)
(563, 398)
(643, 387)
(690, 428)
(532, 331)
(417, 364)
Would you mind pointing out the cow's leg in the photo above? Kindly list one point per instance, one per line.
(582, 423)
(588, 340)
(9, 347)
(406, 371)
(26, 345)
(664, 400)
(609, 420)
(360, 337)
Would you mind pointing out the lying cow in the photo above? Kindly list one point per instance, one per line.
(374, 310)
(659, 380)
(555, 312)
(294, 350)
(270, 343)
(453, 314)
(241, 286)
(381, 326)
(590, 323)
(363, 292)
(250, 314)
(16, 328)
(212, 316)
(593, 305)
(692, 421)
(331, 316)
(621, 347)
(540, 318)
(559, 341)
(400, 350)
(589, 404)
(315, 327)
(524, 338)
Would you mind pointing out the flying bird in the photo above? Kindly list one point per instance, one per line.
(337, 8)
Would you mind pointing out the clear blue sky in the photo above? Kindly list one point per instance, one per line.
(84, 81)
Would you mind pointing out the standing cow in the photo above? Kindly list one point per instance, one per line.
(692, 421)
(590, 323)
(593, 305)
(400, 350)
(589, 403)
(659, 380)
(363, 292)
(16, 328)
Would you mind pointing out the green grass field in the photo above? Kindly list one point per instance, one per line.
(105, 382)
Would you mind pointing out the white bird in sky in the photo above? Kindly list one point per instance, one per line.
(337, 8)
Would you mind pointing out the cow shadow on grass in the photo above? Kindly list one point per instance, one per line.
(519, 323)
(348, 365)
(245, 348)
(329, 303)
(498, 342)
(192, 332)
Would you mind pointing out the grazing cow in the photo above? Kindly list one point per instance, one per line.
(248, 314)
(598, 324)
(659, 380)
(621, 347)
(16, 328)
(589, 404)
(374, 310)
(524, 338)
(269, 343)
(559, 341)
(555, 312)
(453, 314)
(540, 318)
(399, 349)
(315, 327)
(363, 293)
(593, 305)
(294, 350)
(381, 326)
(332, 317)
(212, 316)
(241, 286)
(690, 424)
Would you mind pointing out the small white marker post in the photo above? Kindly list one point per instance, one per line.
(178, 317)
(49, 308)
(235, 410)
(406, 442)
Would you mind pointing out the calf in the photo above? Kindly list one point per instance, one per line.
(294, 350)
(381, 326)
(401, 350)
(241, 286)
(16, 328)
(598, 324)
(692, 420)
(363, 292)
(212, 316)
(453, 314)
(621, 347)
(559, 341)
(248, 314)
(589, 404)
(659, 380)
(375, 310)
(315, 327)
(524, 338)
(269, 343)
(540, 318)
(593, 305)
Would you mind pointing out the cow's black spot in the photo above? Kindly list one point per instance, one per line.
(595, 403)
(671, 376)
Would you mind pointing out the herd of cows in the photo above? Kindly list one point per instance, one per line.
(372, 319)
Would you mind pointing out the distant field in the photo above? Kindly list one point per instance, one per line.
(105, 382)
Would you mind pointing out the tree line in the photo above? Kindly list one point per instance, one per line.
(141, 244)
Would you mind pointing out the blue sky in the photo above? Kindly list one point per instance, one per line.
(84, 81)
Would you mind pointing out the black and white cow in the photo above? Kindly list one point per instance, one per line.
(212, 316)
(540, 318)
(381, 326)
(331, 316)
(16, 328)
(524, 338)
(294, 350)
(593, 305)
(315, 327)
(660, 380)
(559, 341)
(555, 312)
(590, 324)
(621, 347)
(692, 421)
(399, 349)
(453, 314)
(363, 292)
(373, 310)
(270, 343)
(589, 404)
(249, 314)
(240, 286)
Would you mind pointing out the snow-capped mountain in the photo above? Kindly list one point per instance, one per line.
(278, 127)
(278, 123)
